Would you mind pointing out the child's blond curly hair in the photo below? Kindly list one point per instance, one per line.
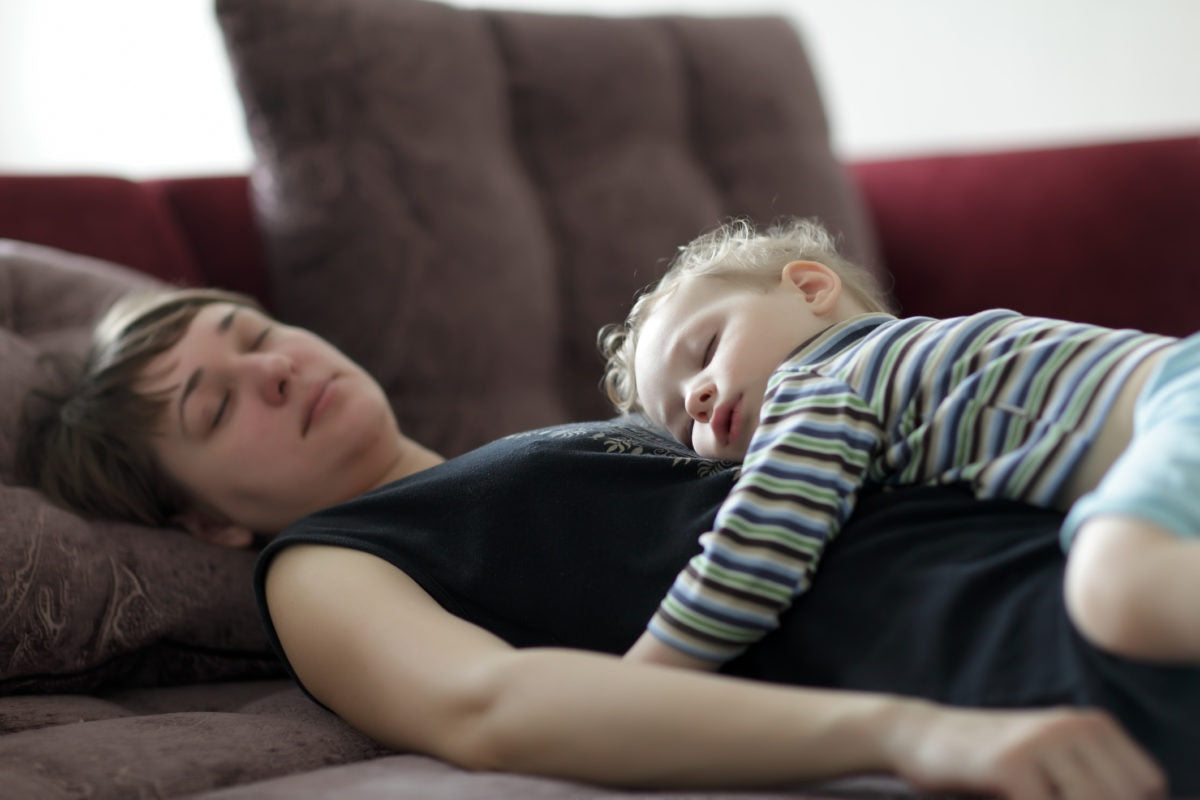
(735, 251)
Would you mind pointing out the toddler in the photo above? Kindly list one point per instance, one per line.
(771, 349)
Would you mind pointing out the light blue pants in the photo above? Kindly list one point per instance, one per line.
(1157, 478)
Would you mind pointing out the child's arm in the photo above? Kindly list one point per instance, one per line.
(649, 650)
(798, 485)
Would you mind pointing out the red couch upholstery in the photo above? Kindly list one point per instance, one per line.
(1102, 233)
(192, 230)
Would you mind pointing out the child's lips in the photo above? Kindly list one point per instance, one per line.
(727, 422)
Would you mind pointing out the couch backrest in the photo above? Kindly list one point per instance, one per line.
(1104, 233)
(459, 199)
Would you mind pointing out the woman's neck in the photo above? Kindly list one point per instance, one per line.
(412, 458)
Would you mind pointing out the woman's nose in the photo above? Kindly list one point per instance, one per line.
(271, 374)
(700, 401)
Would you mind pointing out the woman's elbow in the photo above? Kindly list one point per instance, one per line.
(489, 727)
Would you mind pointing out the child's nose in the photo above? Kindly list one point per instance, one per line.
(699, 402)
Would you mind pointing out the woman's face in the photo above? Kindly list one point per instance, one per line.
(268, 422)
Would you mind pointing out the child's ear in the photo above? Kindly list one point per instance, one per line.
(819, 284)
(208, 528)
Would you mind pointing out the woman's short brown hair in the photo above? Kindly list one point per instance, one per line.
(86, 438)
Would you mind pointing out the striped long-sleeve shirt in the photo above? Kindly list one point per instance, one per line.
(1003, 402)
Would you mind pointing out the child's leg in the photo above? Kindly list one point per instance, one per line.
(1133, 588)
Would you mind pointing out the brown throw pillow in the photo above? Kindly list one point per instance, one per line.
(459, 199)
(86, 604)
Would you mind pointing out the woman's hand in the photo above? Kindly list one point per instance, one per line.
(1024, 755)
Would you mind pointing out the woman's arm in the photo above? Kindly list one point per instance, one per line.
(375, 648)
(649, 650)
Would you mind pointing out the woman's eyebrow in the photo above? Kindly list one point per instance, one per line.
(227, 321)
(223, 326)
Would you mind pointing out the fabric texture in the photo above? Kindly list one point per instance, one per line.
(1157, 477)
(546, 523)
(539, 169)
(167, 742)
(932, 593)
(90, 604)
(929, 591)
(1003, 403)
(104, 216)
(1044, 231)
(411, 776)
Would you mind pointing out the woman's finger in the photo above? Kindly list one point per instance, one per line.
(1071, 770)
(1121, 764)
(1029, 782)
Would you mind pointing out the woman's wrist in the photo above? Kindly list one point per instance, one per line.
(901, 727)
(1051, 752)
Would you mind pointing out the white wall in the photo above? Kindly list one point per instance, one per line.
(140, 87)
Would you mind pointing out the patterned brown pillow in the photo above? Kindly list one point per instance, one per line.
(459, 199)
(86, 604)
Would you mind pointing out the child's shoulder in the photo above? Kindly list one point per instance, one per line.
(842, 336)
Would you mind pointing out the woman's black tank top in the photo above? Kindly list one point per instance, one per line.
(569, 536)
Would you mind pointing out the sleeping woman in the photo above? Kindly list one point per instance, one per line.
(472, 609)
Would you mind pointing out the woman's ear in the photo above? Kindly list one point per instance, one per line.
(208, 528)
(820, 285)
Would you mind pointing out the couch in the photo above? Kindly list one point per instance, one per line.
(459, 199)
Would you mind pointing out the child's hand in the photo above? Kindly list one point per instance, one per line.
(1051, 753)
(649, 650)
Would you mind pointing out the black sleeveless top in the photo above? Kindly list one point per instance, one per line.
(569, 536)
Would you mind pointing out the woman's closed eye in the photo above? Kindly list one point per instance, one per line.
(223, 406)
(258, 340)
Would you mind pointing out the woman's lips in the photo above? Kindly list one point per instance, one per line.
(318, 401)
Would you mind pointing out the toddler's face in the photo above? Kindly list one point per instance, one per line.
(705, 353)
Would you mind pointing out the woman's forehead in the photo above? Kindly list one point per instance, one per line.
(211, 323)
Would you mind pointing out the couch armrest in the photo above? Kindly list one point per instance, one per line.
(218, 224)
(101, 216)
(194, 230)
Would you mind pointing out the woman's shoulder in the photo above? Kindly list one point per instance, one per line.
(590, 450)
(631, 434)
(579, 457)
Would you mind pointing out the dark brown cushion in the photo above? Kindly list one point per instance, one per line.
(86, 604)
(119, 747)
(460, 198)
